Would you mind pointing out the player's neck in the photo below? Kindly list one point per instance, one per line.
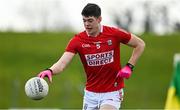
(96, 33)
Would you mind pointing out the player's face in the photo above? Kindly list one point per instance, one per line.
(92, 25)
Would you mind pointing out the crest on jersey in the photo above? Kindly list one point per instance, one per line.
(109, 42)
(98, 46)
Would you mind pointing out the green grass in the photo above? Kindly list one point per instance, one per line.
(23, 55)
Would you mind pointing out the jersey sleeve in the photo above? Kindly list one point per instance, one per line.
(122, 35)
(72, 45)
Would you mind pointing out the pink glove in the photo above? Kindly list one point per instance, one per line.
(126, 71)
(46, 73)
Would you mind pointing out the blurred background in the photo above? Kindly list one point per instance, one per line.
(34, 34)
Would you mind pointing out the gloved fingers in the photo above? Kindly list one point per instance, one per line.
(45, 74)
(49, 77)
(123, 74)
(40, 75)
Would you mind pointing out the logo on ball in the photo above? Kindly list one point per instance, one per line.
(36, 88)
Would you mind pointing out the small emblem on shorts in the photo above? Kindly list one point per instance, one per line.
(85, 106)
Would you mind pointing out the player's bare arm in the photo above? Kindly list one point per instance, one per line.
(61, 64)
(58, 67)
(138, 45)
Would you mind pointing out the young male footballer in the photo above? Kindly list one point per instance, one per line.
(99, 49)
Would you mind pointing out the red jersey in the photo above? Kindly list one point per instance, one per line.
(100, 57)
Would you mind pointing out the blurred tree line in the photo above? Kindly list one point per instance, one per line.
(156, 17)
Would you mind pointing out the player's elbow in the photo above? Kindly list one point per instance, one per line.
(142, 44)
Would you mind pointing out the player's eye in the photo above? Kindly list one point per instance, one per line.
(84, 20)
(90, 20)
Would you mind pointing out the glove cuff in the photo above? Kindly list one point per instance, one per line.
(50, 70)
(130, 65)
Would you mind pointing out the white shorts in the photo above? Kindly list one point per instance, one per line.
(93, 100)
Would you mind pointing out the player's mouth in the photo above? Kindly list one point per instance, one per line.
(88, 28)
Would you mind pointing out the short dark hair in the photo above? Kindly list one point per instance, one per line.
(91, 9)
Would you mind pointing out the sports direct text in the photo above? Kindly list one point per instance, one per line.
(99, 59)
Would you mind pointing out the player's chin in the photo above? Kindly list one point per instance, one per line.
(89, 31)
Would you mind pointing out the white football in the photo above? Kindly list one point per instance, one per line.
(36, 88)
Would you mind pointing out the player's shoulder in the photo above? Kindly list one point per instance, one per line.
(80, 34)
(112, 29)
(109, 29)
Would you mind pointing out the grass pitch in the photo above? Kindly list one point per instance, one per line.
(23, 55)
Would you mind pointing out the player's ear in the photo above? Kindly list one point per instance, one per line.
(99, 19)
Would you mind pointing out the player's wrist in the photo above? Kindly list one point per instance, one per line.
(131, 66)
(50, 70)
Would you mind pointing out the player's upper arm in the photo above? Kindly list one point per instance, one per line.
(61, 64)
(68, 54)
(135, 41)
(66, 57)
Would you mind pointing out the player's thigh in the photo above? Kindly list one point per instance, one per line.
(107, 107)
(112, 100)
(90, 101)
